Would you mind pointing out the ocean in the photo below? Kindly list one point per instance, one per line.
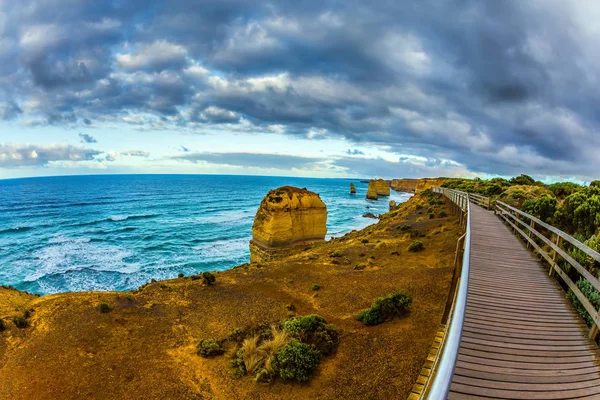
(117, 232)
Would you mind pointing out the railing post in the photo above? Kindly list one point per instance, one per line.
(558, 243)
(593, 332)
(531, 228)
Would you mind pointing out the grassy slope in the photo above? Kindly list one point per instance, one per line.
(145, 347)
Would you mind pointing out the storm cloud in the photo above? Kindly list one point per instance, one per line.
(496, 87)
(86, 138)
(271, 161)
(13, 156)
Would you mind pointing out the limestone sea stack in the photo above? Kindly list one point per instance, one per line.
(352, 188)
(377, 187)
(287, 217)
(392, 204)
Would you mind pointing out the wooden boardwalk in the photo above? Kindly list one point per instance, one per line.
(522, 338)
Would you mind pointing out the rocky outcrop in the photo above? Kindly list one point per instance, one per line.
(415, 185)
(287, 216)
(370, 215)
(377, 187)
(392, 204)
(372, 192)
(352, 188)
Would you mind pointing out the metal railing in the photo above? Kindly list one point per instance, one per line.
(440, 380)
(515, 218)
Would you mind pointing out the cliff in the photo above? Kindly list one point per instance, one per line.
(415, 185)
(377, 187)
(145, 347)
(287, 217)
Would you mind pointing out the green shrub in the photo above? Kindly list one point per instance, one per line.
(415, 233)
(385, 308)
(210, 348)
(442, 214)
(431, 216)
(314, 331)
(364, 241)
(336, 253)
(2, 325)
(359, 267)
(419, 206)
(105, 308)
(308, 323)
(237, 363)
(315, 287)
(590, 292)
(522, 180)
(21, 322)
(415, 246)
(404, 228)
(564, 189)
(542, 207)
(208, 279)
(296, 361)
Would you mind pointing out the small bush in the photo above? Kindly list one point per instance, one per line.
(2, 325)
(364, 241)
(404, 228)
(210, 348)
(385, 308)
(442, 214)
(316, 286)
(419, 206)
(308, 323)
(105, 308)
(415, 246)
(337, 253)
(431, 216)
(296, 361)
(359, 267)
(180, 275)
(208, 279)
(415, 233)
(21, 322)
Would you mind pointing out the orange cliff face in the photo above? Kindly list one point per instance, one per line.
(416, 185)
(287, 216)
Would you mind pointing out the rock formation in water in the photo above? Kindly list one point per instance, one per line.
(392, 204)
(287, 216)
(370, 215)
(377, 187)
(352, 188)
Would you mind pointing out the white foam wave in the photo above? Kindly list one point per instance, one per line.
(67, 254)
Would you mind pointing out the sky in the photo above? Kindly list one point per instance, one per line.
(305, 88)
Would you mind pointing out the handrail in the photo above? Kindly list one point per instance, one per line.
(483, 201)
(510, 214)
(443, 369)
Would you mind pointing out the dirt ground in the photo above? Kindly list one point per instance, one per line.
(145, 348)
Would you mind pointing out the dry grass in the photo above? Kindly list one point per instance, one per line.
(253, 357)
(258, 356)
(272, 347)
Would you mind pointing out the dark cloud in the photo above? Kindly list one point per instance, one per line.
(355, 152)
(274, 161)
(20, 155)
(86, 138)
(9, 110)
(482, 83)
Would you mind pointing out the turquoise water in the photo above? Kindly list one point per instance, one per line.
(117, 232)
